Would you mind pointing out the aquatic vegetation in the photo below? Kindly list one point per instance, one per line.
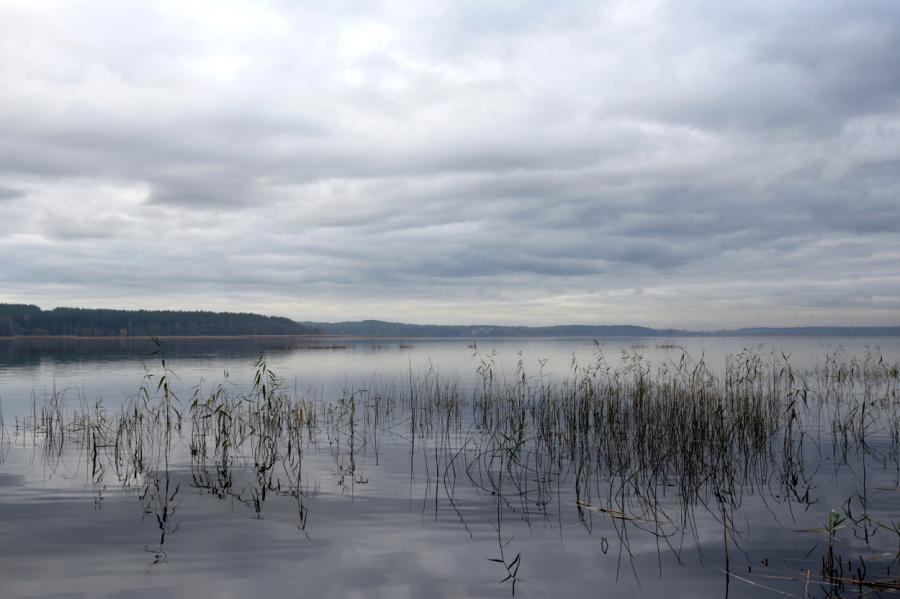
(632, 448)
(4, 438)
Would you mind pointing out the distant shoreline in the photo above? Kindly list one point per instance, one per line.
(849, 334)
(161, 337)
(310, 337)
(28, 321)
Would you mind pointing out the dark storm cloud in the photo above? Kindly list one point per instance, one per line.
(689, 164)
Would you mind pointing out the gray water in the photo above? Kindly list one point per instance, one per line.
(112, 369)
(392, 527)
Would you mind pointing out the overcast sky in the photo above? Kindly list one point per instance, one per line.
(693, 163)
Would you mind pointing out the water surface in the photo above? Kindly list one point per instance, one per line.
(373, 505)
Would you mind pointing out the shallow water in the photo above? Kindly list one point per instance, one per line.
(368, 510)
(112, 369)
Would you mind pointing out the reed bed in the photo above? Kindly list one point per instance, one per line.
(646, 449)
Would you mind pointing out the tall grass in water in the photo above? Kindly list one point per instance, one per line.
(646, 449)
(4, 436)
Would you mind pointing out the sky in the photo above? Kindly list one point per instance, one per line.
(698, 164)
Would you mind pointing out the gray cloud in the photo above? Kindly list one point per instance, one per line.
(679, 164)
(9, 193)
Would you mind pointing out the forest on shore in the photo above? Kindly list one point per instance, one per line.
(30, 320)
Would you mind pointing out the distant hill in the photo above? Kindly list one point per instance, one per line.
(380, 328)
(24, 319)
(813, 332)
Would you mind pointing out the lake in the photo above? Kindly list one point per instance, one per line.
(694, 467)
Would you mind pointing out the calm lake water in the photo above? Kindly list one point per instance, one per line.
(364, 502)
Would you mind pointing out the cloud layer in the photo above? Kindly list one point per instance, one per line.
(697, 164)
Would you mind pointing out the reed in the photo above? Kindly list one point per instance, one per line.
(643, 448)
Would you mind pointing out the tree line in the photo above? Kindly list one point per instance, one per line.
(30, 320)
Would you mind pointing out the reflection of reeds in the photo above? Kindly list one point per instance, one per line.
(638, 447)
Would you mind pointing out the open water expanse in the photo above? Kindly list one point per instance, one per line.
(696, 467)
